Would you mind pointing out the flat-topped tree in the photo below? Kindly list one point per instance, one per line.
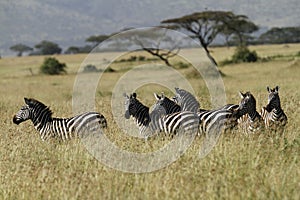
(237, 26)
(20, 48)
(96, 39)
(205, 26)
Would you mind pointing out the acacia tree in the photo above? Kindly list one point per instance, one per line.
(237, 26)
(96, 39)
(20, 48)
(205, 26)
(151, 42)
(48, 48)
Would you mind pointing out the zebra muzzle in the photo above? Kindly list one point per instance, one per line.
(16, 120)
(127, 115)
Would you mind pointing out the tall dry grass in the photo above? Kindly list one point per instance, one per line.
(264, 166)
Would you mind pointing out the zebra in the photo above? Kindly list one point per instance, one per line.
(158, 120)
(61, 128)
(249, 120)
(169, 105)
(210, 120)
(217, 121)
(272, 114)
(186, 100)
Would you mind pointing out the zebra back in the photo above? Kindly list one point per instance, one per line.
(217, 121)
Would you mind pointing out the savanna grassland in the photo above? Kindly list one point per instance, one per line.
(262, 166)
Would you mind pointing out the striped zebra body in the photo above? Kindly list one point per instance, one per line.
(216, 121)
(249, 120)
(184, 121)
(272, 114)
(230, 107)
(61, 128)
(157, 121)
(220, 119)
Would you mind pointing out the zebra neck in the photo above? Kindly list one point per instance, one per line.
(43, 127)
(41, 121)
(277, 111)
(253, 114)
(142, 117)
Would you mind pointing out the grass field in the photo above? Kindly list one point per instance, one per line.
(263, 166)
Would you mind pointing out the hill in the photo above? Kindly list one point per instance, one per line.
(70, 22)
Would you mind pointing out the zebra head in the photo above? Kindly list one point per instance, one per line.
(168, 105)
(158, 109)
(131, 105)
(247, 104)
(34, 110)
(127, 103)
(186, 100)
(24, 113)
(273, 99)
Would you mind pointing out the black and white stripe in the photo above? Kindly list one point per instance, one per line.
(220, 120)
(169, 105)
(62, 128)
(158, 121)
(210, 120)
(272, 114)
(249, 119)
(186, 100)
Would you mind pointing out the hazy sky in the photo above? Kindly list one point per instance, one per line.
(72, 21)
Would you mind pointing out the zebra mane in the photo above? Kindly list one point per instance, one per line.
(33, 103)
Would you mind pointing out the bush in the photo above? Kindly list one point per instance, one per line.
(182, 65)
(90, 68)
(109, 69)
(52, 66)
(243, 54)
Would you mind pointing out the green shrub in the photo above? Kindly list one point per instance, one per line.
(109, 69)
(182, 65)
(243, 54)
(141, 58)
(52, 66)
(90, 68)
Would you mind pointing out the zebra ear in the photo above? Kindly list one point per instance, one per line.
(157, 97)
(27, 101)
(241, 95)
(125, 95)
(276, 88)
(162, 95)
(134, 95)
(268, 89)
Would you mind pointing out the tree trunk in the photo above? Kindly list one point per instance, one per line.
(210, 56)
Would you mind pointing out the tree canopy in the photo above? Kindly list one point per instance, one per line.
(205, 26)
(48, 48)
(20, 48)
(96, 39)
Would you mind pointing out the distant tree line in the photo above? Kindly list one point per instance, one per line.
(204, 26)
